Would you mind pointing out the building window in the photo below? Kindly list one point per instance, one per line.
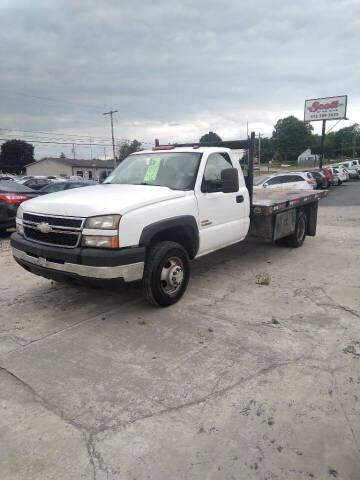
(80, 173)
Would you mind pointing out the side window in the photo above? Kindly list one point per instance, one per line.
(289, 178)
(297, 178)
(274, 181)
(56, 187)
(212, 174)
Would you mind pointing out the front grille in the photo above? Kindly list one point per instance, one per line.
(53, 221)
(52, 238)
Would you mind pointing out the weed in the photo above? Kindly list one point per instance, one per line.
(263, 279)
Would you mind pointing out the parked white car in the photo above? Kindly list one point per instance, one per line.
(293, 180)
(352, 169)
(339, 172)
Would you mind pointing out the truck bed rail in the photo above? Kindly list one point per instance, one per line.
(270, 201)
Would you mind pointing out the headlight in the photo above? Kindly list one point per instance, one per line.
(100, 242)
(20, 229)
(105, 222)
(20, 213)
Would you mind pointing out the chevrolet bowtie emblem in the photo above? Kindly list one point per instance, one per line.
(44, 227)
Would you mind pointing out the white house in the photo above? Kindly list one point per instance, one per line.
(66, 167)
(308, 158)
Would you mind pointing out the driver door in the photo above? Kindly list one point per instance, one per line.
(223, 217)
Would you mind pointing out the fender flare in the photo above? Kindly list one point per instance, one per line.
(187, 222)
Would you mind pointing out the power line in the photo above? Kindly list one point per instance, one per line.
(60, 134)
(62, 143)
(49, 99)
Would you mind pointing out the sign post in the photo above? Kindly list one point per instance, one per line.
(329, 108)
(322, 144)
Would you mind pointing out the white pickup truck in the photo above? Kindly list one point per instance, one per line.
(157, 211)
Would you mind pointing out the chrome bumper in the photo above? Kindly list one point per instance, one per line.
(129, 273)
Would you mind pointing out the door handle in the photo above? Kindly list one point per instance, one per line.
(239, 199)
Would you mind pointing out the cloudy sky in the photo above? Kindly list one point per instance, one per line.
(173, 70)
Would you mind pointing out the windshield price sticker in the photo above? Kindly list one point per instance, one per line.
(152, 170)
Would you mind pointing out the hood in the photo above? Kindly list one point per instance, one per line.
(100, 200)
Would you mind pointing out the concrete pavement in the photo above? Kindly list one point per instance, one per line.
(236, 381)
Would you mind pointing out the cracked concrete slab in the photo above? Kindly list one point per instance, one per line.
(236, 381)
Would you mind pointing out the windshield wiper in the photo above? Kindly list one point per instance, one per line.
(154, 185)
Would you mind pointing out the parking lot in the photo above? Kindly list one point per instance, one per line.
(254, 374)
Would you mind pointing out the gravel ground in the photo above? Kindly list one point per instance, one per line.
(237, 381)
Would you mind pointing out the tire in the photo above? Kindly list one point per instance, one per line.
(296, 239)
(166, 273)
(339, 182)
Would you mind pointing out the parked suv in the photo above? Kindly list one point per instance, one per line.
(298, 180)
(320, 177)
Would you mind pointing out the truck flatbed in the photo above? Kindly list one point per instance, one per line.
(270, 201)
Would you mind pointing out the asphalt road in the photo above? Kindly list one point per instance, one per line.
(242, 379)
(345, 195)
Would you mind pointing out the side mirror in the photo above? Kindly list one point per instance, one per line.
(230, 180)
(265, 185)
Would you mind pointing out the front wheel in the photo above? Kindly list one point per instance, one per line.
(166, 273)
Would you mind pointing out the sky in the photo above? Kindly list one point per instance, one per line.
(173, 70)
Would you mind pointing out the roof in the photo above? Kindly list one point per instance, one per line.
(78, 162)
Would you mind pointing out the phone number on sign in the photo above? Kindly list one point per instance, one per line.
(324, 116)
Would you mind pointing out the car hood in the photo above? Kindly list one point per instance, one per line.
(100, 200)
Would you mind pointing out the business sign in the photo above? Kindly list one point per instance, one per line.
(330, 108)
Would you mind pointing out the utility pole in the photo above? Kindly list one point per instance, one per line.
(105, 153)
(73, 150)
(259, 152)
(322, 143)
(112, 132)
(91, 155)
(247, 137)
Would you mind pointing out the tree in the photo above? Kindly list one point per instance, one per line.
(210, 137)
(266, 149)
(291, 137)
(126, 148)
(14, 155)
(345, 142)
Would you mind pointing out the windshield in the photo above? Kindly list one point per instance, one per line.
(175, 170)
(262, 180)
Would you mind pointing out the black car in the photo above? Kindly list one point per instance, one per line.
(35, 183)
(11, 195)
(66, 185)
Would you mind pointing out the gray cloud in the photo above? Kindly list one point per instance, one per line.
(173, 70)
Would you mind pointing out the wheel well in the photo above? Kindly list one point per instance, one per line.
(183, 235)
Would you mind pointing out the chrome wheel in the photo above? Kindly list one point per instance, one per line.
(172, 275)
